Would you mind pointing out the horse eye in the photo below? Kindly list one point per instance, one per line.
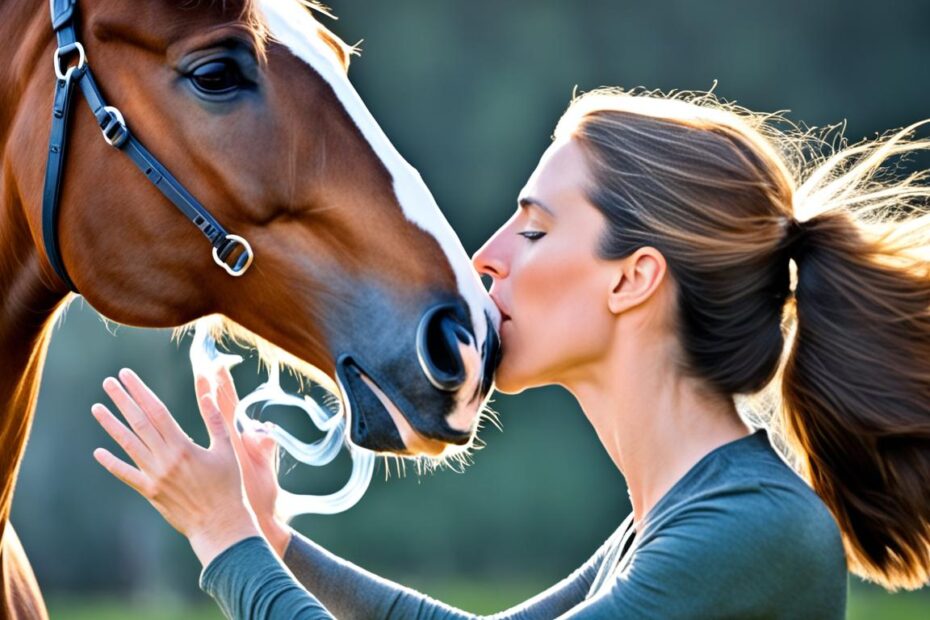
(217, 77)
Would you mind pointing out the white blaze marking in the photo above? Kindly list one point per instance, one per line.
(291, 24)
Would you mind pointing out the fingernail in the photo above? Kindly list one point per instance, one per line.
(125, 373)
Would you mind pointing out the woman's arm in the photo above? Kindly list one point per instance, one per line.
(350, 591)
(199, 492)
(248, 581)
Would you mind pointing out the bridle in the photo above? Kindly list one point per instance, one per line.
(117, 135)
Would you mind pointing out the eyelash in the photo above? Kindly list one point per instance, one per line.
(532, 235)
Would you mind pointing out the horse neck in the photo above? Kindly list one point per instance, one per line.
(27, 309)
(27, 301)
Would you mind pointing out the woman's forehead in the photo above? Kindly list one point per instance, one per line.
(561, 177)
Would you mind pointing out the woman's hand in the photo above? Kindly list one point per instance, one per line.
(199, 491)
(258, 458)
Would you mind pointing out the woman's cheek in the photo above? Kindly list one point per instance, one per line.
(562, 321)
(527, 341)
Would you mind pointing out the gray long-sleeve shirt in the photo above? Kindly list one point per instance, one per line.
(740, 535)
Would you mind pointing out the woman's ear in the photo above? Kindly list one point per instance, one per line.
(636, 278)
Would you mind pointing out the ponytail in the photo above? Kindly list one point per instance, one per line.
(856, 382)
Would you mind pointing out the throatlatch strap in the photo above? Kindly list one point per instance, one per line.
(64, 89)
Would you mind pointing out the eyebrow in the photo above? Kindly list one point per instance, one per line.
(529, 201)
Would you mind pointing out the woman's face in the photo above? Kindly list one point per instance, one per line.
(548, 280)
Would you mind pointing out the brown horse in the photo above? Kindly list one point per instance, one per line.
(355, 272)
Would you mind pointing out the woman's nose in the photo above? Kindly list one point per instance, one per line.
(490, 259)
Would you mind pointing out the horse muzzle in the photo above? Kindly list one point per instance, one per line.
(389, 416)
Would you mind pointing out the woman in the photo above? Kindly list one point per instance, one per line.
(647, 271)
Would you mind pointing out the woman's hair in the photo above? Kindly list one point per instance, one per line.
(731, 198)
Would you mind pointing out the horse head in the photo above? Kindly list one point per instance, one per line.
(356, 276)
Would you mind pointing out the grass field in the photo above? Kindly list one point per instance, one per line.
(865, 603)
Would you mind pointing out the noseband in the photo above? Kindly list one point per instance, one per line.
(117, 135)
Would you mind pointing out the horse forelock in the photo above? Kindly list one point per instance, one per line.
(250, 15)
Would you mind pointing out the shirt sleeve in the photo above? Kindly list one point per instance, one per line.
(349, 591)
(248, 582)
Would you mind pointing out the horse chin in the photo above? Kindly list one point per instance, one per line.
(377, 423)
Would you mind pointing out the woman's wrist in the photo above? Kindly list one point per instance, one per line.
(278, 534)
(221, 535)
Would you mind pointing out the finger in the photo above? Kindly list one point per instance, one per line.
(138, 421)
(212, 417)
(226, 396)
(258, 442)
(202, 386)
(261, 448)
(123, 471)
(227, 400)
(207, 398)
(124, 437)
(151, 405)
(265, 443)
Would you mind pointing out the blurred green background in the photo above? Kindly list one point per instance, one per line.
(469, 91)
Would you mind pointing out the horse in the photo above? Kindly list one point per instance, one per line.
(238, 117)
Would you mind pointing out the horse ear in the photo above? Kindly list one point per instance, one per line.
(343, 51)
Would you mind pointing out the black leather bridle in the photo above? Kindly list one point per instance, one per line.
(117, 135)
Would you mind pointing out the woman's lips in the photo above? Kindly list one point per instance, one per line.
(505, 316)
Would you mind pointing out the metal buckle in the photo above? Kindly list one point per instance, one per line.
(242, 263)
(114, 127)
(67, 50)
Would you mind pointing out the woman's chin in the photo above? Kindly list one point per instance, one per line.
(506, 381)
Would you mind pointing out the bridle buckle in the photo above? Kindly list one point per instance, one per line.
(64, 52)
(242, 262)
(114, 128)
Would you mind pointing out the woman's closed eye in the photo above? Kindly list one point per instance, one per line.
(532, 235)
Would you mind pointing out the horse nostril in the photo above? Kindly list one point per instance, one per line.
(439, 337)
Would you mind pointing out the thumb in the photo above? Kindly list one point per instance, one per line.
(226, 396)
(212, 417)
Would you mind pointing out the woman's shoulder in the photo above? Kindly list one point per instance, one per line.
(740, 471)
(744, 492)
(742, 521)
